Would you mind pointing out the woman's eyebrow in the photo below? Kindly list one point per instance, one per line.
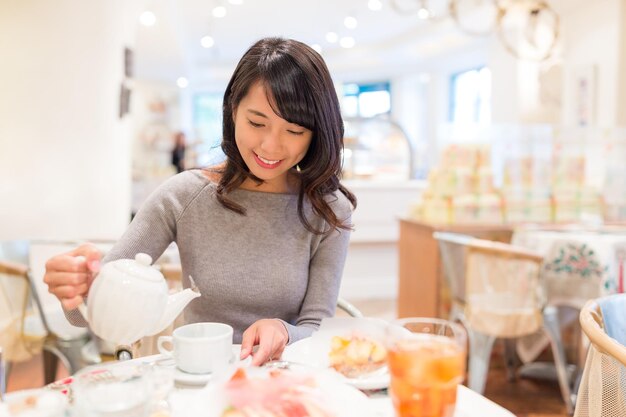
(258, 113)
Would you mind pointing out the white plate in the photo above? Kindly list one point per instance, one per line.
(300, 352)
(340, 399)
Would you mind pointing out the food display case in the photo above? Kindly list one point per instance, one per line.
(376, 149)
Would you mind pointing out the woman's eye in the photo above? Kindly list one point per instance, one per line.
(255, 124)
(293, 132)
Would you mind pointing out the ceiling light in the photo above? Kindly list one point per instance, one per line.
(374, 5)
(207, 41)
(182, 82)
(423, 13)
(350, 22)
(236, 2)
(332, 37)
(147, 18)
(347, 42)
(219, 11)
(317, 48)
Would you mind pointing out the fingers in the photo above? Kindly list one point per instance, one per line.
(69, 275)
(248, 340)
(90, 253)
(278, 353)
(55, 278)
(69, 291)
(272, 338)
(66, 263)
(71, 303)
(263, 354)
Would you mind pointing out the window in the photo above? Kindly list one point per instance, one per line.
(366, 100)
(470, 96)
(207, 122)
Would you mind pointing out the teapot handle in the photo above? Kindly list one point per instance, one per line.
(82, 308)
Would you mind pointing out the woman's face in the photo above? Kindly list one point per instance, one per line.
(269, 145)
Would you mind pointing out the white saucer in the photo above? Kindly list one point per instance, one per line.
(185, 378)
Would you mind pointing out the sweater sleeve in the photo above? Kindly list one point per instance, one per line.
(325, 272)
(154, 226)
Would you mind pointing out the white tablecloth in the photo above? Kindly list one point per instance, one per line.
(469, 403)
(184, 399)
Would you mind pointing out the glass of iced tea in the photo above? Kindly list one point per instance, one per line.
(426, 359)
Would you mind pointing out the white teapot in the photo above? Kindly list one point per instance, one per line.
(129, 299)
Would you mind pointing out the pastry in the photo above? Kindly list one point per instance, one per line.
(356, 356)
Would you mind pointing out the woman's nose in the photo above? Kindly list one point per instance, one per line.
(271, 143)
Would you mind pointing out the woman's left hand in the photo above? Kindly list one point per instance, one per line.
(271, 336)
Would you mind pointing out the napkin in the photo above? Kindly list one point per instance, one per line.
(614, 316)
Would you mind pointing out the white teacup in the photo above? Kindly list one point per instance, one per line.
(199, 348)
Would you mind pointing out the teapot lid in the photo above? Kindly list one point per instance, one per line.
(140, 267)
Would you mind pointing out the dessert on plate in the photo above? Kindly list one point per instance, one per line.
(279, 394)
(356, 356)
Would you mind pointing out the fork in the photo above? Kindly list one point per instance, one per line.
(283, 364)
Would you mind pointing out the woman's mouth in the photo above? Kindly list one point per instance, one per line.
(266, 163)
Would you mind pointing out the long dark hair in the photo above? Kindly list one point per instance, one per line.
(300, 90)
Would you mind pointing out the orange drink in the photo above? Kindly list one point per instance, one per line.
(426, 360)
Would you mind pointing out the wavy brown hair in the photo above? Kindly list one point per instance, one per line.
(300, 90)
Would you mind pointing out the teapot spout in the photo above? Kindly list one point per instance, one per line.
(175, 305)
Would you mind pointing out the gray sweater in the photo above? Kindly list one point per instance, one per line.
(264, 264)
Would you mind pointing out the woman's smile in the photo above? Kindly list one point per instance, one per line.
(266, 163)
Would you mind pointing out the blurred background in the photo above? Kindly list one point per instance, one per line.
(477, 116)
(456, 111)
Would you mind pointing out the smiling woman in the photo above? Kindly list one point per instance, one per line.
(290, 105)
(269, 145)
(265, 241)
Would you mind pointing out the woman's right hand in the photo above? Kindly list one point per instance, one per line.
(69, 275)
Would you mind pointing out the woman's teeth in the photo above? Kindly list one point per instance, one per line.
(267, 161)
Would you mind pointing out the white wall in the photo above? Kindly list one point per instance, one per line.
(421, 97)
(592, 38)
(621, 45)
(64, 153)
(592, 34)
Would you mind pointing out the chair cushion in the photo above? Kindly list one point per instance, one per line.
(502, 315)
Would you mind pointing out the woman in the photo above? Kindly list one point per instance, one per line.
(264, 235)
(178, 152)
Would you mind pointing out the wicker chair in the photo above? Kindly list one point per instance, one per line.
(602, 391)
(23, 333)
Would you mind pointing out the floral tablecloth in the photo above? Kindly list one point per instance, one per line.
(579, 265)
(589, 256)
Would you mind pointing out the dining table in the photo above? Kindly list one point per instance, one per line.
(183, 396)
(580, 263)
(606, 246)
